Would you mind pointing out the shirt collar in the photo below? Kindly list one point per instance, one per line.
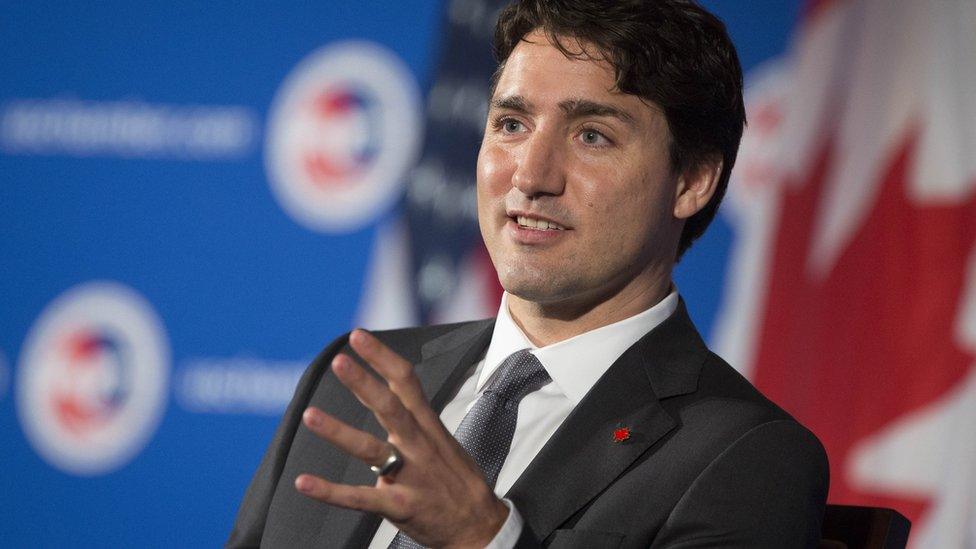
(577, 363)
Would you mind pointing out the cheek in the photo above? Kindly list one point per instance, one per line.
(603, 194)
(492, 186)
(495, 168)
(625, 208)
(494, 181)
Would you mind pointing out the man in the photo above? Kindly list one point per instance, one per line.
(611, 133)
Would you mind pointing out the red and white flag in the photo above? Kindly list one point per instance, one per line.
(852, 294)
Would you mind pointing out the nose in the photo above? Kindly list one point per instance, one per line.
(540, 167)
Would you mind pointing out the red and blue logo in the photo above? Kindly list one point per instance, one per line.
(350, 108)
(92, 379)
(343, 130)
(99, 377)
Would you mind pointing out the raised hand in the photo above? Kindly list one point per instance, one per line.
(438, 496)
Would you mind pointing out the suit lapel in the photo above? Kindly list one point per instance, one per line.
(444, 362)
(582, 459)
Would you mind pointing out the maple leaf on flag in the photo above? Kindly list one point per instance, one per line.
(853, 295)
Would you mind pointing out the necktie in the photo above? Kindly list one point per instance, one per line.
(487, 429)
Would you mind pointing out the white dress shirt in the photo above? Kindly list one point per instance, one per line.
(575, 365)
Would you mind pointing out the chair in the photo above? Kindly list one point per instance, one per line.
(852, 527)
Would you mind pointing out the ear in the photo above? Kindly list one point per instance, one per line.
(696, 187)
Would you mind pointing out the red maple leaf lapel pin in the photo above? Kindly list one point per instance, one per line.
(621, 434)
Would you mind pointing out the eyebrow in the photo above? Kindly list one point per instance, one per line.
(572, 108)
(579, 108)
(511, 103)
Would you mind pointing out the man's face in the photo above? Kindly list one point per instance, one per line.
(563, 148)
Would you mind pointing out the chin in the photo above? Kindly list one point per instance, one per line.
(535, 286)
(520, 281)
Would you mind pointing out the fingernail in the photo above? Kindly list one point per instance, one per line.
(359, 337)
(312, 417)
(339, 363)
(303, 484)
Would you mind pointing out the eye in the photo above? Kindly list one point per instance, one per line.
(510, 125)
(507, 125)
(593, 138)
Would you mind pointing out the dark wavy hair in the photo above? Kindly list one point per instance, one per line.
(671, 53)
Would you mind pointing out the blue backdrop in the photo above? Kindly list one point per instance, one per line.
(133, 150)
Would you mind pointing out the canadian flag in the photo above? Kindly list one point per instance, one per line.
(852, 293)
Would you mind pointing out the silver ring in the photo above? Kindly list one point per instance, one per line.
(392, 464)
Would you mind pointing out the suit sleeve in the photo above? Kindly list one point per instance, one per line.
(253, 513)
(767, 489)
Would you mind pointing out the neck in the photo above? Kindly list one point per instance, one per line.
(552, 322)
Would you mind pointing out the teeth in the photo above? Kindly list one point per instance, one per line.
(538, 224)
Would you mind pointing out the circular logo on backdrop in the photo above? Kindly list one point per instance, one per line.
(92, 378)
(343, 130)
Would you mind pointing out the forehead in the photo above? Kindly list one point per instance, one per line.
(542, 74)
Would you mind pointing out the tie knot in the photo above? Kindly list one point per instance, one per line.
(519, 375)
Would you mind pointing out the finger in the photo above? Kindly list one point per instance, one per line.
(376, 396)
(399, 373)
(362, 498)
(402, 380)
(361, 445)
(394, 368)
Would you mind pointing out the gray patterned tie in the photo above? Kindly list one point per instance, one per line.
(487, 429)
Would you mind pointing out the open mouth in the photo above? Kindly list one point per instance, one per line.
(525, 222)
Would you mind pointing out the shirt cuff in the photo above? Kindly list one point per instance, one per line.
(508, 536)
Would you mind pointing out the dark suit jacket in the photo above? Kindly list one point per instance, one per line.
(709, 462)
